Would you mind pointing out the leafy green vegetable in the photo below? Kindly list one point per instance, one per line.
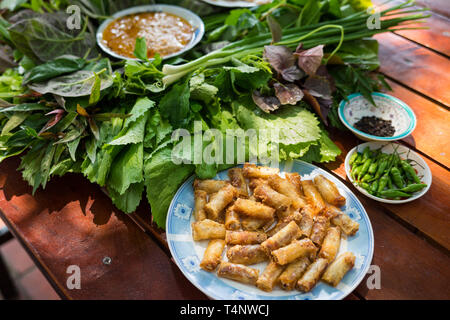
(76, 84)
(175, 104)
(162, 179)
(51, 69)
(45, 36)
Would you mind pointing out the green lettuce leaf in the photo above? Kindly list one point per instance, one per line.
(162, 179)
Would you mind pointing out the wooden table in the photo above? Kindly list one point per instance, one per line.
(73, 223)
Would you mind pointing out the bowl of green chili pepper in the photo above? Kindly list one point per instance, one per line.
(388, 172)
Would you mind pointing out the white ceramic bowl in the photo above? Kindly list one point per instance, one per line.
(388, 108)
(423, 171)
(193, 19)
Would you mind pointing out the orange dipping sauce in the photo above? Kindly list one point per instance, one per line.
(165, 33)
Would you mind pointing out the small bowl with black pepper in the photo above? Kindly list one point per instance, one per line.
(385, 118)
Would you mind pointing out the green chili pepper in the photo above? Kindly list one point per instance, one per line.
(373, 167)
(353, 158)
(383, 182)
(365, 168)
(414, 187)
(365, 186)
(355, 171)
(366, 177)
(393, 193)
(381, 167)
(397, 177)
(366, 154)
(409, 171)
(374, 187)
(389, 183)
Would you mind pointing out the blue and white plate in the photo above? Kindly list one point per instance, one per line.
(188, 253)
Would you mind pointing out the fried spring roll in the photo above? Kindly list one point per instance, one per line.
(283, 237)
(238, 181)
(218, 201)
(269, 277)
(207, 229)
(313, 196)
(312, 275)
(293, 272)
(331, 243)
(347, 225)
(296, 180)
(232, 221)
(337, 270)
(210, 186)
(199, 206)
(319, 229)
(329, 191)
(254, 209)
(244, 237)
(238, 272)
(212, 255)
(288, 189)
(296, 249)
(273, 199)
(254, 183)
(252, 224)
(249, 254)
(252, 171)
(307, 222)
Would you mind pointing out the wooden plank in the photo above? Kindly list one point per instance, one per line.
(410, 267)
(73, 223)
(414, 66)
(430, 214)
(431, 135)
(437, 37)
(438, 6)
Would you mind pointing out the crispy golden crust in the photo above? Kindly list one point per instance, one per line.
(212, 255)
(253, 171)
(218, 201)
(254, 209)
(337, 270)
(313, 196)
(238, 181)
(209, 186)
(329, 191)
(293, 272)
(273, 199)
(312, 275)
(269, 277)
(232, 221)
(207, 229)
(319, 229)
(248, 254)
(297, 249)
(331, 243)
(238, 272)
(283, 237)
(347, 225)
(200, 197)
(244, 237)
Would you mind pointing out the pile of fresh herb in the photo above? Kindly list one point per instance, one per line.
(282, 66)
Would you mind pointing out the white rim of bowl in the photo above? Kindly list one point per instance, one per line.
(364, 192)
(410, 112)
(189, 16)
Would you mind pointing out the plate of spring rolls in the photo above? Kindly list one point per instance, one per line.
(293, 232)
